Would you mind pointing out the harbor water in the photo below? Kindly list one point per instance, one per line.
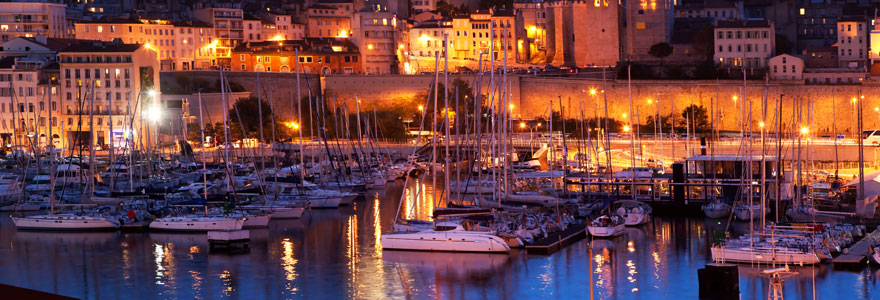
(336, 254)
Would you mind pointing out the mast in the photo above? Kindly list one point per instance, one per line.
(260, 112)
(434, 132)
(202, 142)
(632, 147)
(302, 155)
(446, 112)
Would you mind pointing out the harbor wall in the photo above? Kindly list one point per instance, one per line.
(823, 106)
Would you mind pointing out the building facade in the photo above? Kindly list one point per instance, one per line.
(377, 36)
(116, 83)
(852, 42)
(316, 55)
(786, 67)
(583, 34)
(29, 19)
(744, 44)
(181, 46)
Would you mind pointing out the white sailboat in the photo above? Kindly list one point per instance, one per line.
(197, 223)
(64, 222)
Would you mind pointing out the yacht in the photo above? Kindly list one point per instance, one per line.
(607, 226)
(197, 223)
(716, 210)
(762, 254)
(447, 238)
(65, 222)
(634, 213)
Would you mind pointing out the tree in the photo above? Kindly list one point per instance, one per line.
(247, 116)
(696, 117)
(660, 50)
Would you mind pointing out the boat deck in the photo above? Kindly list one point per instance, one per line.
(557, 240)
(136, 226)
(858, 252)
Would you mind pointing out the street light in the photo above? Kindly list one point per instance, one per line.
(625, 128)
(593, 92)
(522, 124)
(421, 108)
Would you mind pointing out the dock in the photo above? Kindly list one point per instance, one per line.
(557, 240)
(858, 252)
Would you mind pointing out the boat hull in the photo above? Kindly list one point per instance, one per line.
(453, 241)
(287, 212)
(256, 222)
(764, 257)
(605, 231)
(195, 224)
(60, 223)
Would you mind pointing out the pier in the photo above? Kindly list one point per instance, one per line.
(557, 240)
(858, 252)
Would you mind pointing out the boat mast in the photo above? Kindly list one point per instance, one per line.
(202, 143)
(446, 113)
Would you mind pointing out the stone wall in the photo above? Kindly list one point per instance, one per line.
(822, 104)
(281, 86)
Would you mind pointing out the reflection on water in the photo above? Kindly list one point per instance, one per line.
(336, 254)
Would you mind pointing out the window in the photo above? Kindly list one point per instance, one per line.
(242, 67)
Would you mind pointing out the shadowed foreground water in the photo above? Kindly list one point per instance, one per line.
(334, 254)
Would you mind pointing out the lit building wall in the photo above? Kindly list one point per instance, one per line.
(117, 83)
(30, 19)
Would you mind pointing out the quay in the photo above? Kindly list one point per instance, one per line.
(557, 240)
(858, 252)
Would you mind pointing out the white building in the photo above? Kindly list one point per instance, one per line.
(748, 44)
(786, 67)
(113, 81)
(852, 42)
(31, 19)
(377, 37)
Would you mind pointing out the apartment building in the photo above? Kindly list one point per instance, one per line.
(852, 42)
(118, 83)
(376, 34)
(180, 46)
(316, 55)
(327, 21)
(29, 19)
(744, 44)
(228, 26)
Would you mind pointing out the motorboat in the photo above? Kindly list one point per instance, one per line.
(716, 209)
(634, 213)
(607, 226)
(449, 240)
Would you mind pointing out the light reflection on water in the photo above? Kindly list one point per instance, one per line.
(336, 254)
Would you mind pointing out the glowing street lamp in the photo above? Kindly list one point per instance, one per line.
(593, 92)
(292, 125)
(650, 101)
(761, 124)
(154, 113)
(625, 128)
(510, 106)
(421, 108)
(805, 130)
(522, 124)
